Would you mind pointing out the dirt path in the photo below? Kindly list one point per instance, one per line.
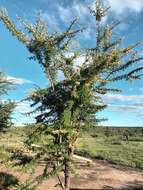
(99, 176)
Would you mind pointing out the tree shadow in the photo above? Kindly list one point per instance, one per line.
(84, 189)
(130, 186)
(7, 181)
(133, 186)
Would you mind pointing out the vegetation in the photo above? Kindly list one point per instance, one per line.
(96, 144)
(68, 107)
(113, 147)
(7, 180)
(6, 107)
(5, 84)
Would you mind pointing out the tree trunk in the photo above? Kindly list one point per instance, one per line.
(67, 165)
(67, 175)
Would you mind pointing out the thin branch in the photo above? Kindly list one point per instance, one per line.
(60, 181)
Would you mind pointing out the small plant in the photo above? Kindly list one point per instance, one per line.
(7, 180)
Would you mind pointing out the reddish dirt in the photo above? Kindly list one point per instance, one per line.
(99, 176)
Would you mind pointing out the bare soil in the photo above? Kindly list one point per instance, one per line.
(98, 176)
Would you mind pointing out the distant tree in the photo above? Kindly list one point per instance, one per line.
(68, 106)
(5, 84)
(126, 135)
(6, 107)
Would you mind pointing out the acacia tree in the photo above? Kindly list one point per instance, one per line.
(6, 107)
(68, 106)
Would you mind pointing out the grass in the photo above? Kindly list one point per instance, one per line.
(101, 144)
(112, 149)
(10, 141)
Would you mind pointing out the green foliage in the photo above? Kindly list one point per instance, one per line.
(6, 107)
(7, 180)
(5, 84)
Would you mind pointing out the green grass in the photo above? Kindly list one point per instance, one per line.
(10, 141)
(100, 143)
(112, 149)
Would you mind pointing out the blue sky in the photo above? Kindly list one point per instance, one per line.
(126, 108)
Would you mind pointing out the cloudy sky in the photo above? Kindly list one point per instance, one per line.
(124, 109)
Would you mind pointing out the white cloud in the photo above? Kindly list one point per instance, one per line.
(65, 14)
(16, 80)
(123, 98)
(19, 117)
(51, 21)
(124, 103)
(79, 10)
(124, 6)
(78, 61)
(121, 9)
(23, 107)
(136, 109)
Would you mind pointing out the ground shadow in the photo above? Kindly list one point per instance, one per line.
(131, 186)
(7, 181)
(83, 189)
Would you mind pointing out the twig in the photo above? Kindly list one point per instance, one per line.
(61, 184)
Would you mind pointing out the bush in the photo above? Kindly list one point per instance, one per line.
(7, 180)
(6, 109)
